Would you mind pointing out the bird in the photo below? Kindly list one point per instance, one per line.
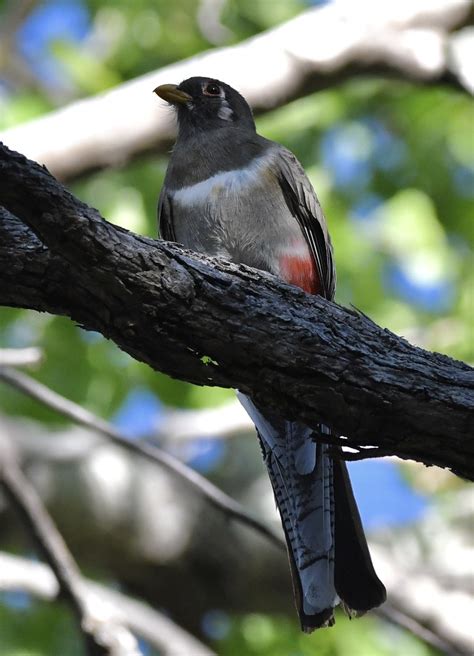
(230, 193)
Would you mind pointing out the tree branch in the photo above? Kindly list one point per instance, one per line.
(317, 49)
(428, 587)
(215, 323)
(38, 580)
(20, 357)
(80, 415)
(399, 617)
(99, 639)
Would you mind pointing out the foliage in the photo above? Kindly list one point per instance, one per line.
(51, 628)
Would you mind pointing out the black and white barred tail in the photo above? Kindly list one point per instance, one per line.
(329, 558)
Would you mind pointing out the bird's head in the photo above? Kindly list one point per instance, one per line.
(203, 103)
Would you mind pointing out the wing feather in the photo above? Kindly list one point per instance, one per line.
(165, 216)
(304, 205)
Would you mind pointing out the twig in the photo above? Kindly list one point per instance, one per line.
(21, 357)
(17, 573)
(80, 415)
(52, 547)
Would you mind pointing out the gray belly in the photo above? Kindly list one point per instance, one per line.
(243, 219)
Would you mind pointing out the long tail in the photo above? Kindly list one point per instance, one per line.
(329, 557)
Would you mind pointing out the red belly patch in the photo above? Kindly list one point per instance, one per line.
(300, 271)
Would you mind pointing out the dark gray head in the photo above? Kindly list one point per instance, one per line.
(203, 103)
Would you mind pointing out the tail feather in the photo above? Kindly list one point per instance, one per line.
(302, 480)
(328, 553)
(356, 580)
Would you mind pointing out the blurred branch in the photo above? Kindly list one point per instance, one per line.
(318, 49)
(21, 357)
(194, 318)
(17, 573)
(208, 18)
(38, 580)
(440, 547)
(224, 421)
(431, 587)
(400, 617)
(461, 56)
(80, 415)
(100, 638)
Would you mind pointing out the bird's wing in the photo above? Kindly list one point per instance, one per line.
(165, 216)
(304, 205)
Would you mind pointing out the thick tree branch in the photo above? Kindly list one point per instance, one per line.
(214, 323)
(318, 49)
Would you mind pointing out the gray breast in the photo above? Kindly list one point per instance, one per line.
(239, 214)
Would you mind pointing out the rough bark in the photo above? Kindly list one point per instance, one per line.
(214, 323)
(316, 50)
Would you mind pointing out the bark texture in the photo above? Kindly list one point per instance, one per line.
(214, 323)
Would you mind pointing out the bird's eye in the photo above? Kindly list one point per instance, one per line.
(212, 89)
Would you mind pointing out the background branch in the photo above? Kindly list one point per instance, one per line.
(80, 415)
(99, 638)
(20, 357)
(154, 556)
(399, 617)
(38, 580)
(315, 50)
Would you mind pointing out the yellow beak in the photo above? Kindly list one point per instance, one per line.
(172, 94)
